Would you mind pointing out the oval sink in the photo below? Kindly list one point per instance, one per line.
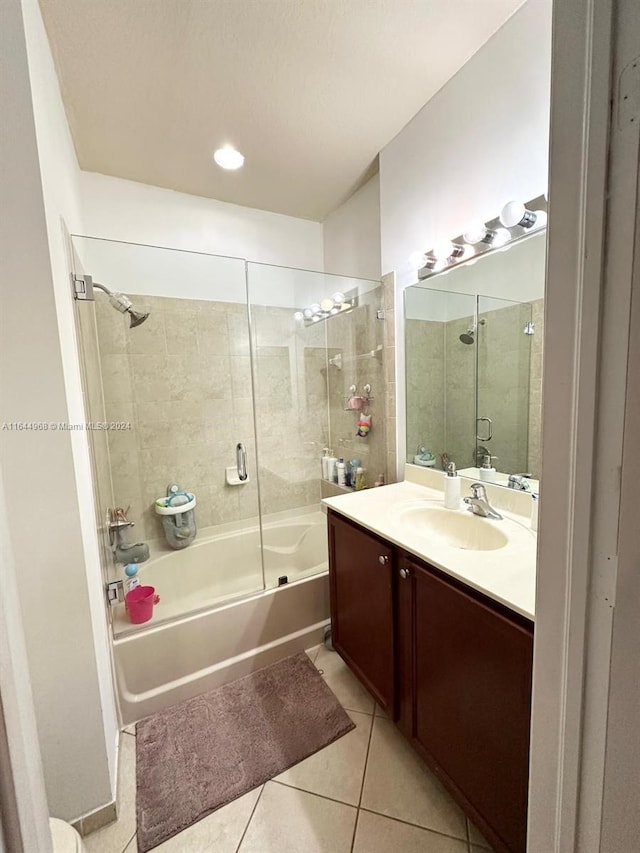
(455, 529)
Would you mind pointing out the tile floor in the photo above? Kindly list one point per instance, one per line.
(366, 793)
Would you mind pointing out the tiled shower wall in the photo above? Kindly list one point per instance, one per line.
(439, 367)
(183, 381)
(356, 345)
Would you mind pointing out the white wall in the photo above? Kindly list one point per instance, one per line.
(352, 234)
(46, 473)
(479, 142)
(124, 210)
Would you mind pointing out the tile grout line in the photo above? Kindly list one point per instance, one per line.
(364, 775)
(313, 793)
(253, 811)
(414, 825)
(124, 849)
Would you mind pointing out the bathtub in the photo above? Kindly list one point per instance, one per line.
(215, 622)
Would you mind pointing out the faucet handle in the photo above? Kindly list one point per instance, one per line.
(478, 491)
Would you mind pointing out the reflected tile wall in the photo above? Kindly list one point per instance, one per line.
(425, 386)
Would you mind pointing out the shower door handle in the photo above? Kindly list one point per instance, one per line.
(489, 426)
(241, 461)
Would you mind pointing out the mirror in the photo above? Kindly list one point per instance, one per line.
(473, 345)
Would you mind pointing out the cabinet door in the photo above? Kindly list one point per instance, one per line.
(472, 701)
(362, 606)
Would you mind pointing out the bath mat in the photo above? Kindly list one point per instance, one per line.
(199, 755)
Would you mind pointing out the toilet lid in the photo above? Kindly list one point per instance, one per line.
(64, 837)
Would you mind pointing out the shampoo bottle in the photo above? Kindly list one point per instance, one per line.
(325, 463)
(452, 487)
(331, 469)
(132, 580)
(342, 474)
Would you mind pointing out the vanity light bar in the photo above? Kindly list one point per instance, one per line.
(516, 220)
(327, 307)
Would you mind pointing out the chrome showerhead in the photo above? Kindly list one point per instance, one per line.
(124, 305)
(136, 318)
(468, 337)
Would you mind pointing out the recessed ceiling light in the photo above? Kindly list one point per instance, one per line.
(228, 158)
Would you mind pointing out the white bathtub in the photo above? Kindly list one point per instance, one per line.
(215, 622)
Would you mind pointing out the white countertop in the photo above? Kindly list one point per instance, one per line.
(506, 574)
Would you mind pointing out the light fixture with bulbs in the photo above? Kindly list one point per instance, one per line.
(516, 220)
(329, 306)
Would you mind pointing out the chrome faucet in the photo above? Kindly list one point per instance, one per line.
(519, 482)
(479, 503)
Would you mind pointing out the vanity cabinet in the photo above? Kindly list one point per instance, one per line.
(362, 618)
(461, 668)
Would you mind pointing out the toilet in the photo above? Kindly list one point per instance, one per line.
(64, 837)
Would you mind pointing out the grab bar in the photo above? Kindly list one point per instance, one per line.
(241, 461)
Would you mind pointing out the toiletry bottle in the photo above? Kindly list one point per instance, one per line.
(452, 487)
(341, 472)
(361, 479)
(380, 480)
(354, 464)
(325, 463)
(132, 579)
(535, 499)
(487, 472)
(331, 469)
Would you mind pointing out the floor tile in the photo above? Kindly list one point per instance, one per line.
(290, 821)
(380, 712)
(348, 690)
(337, 770)
(115, 837)
(377, 834)
(313, 652)
(220, 831)
(476, 837)
(399, 784)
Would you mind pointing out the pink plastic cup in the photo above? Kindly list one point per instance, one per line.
(139, 603)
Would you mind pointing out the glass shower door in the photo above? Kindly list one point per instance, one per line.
(312, 336)
(504, 365)
(182, 380)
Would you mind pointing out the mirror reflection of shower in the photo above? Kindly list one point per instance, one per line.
(469, 336)
(83, 289)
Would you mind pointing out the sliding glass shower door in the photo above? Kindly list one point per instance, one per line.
(177, 390)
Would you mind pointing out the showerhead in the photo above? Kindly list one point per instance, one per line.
(468, 337)
(122, 303)
(136, 318)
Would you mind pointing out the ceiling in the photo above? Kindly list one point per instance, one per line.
(308, 90)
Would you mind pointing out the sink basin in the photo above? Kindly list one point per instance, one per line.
(455, 529)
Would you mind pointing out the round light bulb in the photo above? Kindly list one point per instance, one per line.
(315, 308)
(438, 266)
(475, 232)
(512, 213)
(500, 237)
(326, 304)
(298, 315)
(307, 313)
(417, 260)
(316, 319)
(338, 298)
(441, 251)
(228, 158)
(334, 310)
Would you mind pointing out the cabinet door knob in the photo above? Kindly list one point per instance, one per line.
(383, 559)
(405, 573)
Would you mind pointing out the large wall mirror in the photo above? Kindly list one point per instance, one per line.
(473, 343)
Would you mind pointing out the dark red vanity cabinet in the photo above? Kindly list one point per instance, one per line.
(361, 581)
(469, 703)
(458, 664)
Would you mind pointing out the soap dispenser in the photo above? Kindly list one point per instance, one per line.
(452, 487)
(487, 472)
